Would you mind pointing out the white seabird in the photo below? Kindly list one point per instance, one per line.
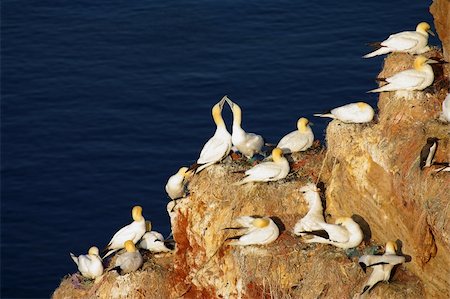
(298, 140)
(351, 113)
(129, 261)
(246, 143)
(427, 152)
(413, 42)
(219, 145)
(133, 231)
(175, 186)
(418, 78)
(153, 241)
(268, 171)
(314, 218)
(446, 108)
(345, 233)
(382, 265)
(89, 265)
(256, 231)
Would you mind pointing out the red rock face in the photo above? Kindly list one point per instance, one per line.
(440, 9)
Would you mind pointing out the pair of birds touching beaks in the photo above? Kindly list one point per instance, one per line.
(91, 265)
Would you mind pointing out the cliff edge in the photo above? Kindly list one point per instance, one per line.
(371, 171)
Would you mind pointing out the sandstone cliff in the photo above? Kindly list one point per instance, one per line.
(369, 170)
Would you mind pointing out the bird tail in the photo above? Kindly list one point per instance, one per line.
(324, 115)
(380, 51)
(386, 87)
(194, 168)
(117, 268)
(74, 258)
(109, 253)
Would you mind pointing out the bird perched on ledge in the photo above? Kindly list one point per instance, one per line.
(313, 219)
(154, 241)
(418, 78)
(248, 144)
(299, 140)
(268, 171)
(219, 145)
(413, 42)
(133, 231)
(351, 113)
(345, 233)
(90, 265)
(175, 186)
(427, 152)
(129, 261)
(382, 265)
(256, 231)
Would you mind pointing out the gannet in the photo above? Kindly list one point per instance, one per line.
(413, 42)
(345, 233)
(256, 231)
(381, 264)
(246, 143)
(133, 231)
(313, 219)
(175, 186)
(351, 113)
(446, 108)
(299, 140)
(153, 241)
(129, 261)
(427, 152)
(268, 171)
(219, 145)
(89, 265)
(418, 78)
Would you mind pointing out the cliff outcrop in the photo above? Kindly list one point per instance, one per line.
(370, 171)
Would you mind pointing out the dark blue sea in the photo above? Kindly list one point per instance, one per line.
(101, 101)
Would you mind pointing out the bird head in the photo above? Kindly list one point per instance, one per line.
(391, 247)
(342, 220)
(261, 222)
(302, 124)
(183, 171)
(93, 251)
(148, 226)
(277, 154)
(424, 27)
(129, 246)
(217, 111)
(420, 61)
(310, 187)
(362, 105)
(136, 213)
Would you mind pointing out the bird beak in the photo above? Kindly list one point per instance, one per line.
(431, 32)
(222, 101)
(430, 61)
(229, 102)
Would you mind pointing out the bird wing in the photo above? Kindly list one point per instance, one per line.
(214, 150)
(401, 41)
(124, 234)
(405, 79)
(256, 236)
(289, 140)
(337, 233)
(254, 141)
(264, 171)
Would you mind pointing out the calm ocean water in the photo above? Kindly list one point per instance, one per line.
(103, 100)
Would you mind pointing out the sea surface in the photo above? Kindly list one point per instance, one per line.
(101, 101)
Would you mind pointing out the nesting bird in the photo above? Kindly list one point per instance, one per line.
(299, 140)
(248, 144)
(268, 171)
(345, 233)
(356, 113)
(382, 265)
(255, 231)
(418, 78)
(176, 187)
(314, 218)
(219, 145)
(129, 261)
(427, 152)
(89, 265)
(413, 42)
(133, 231)
(153, 241)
